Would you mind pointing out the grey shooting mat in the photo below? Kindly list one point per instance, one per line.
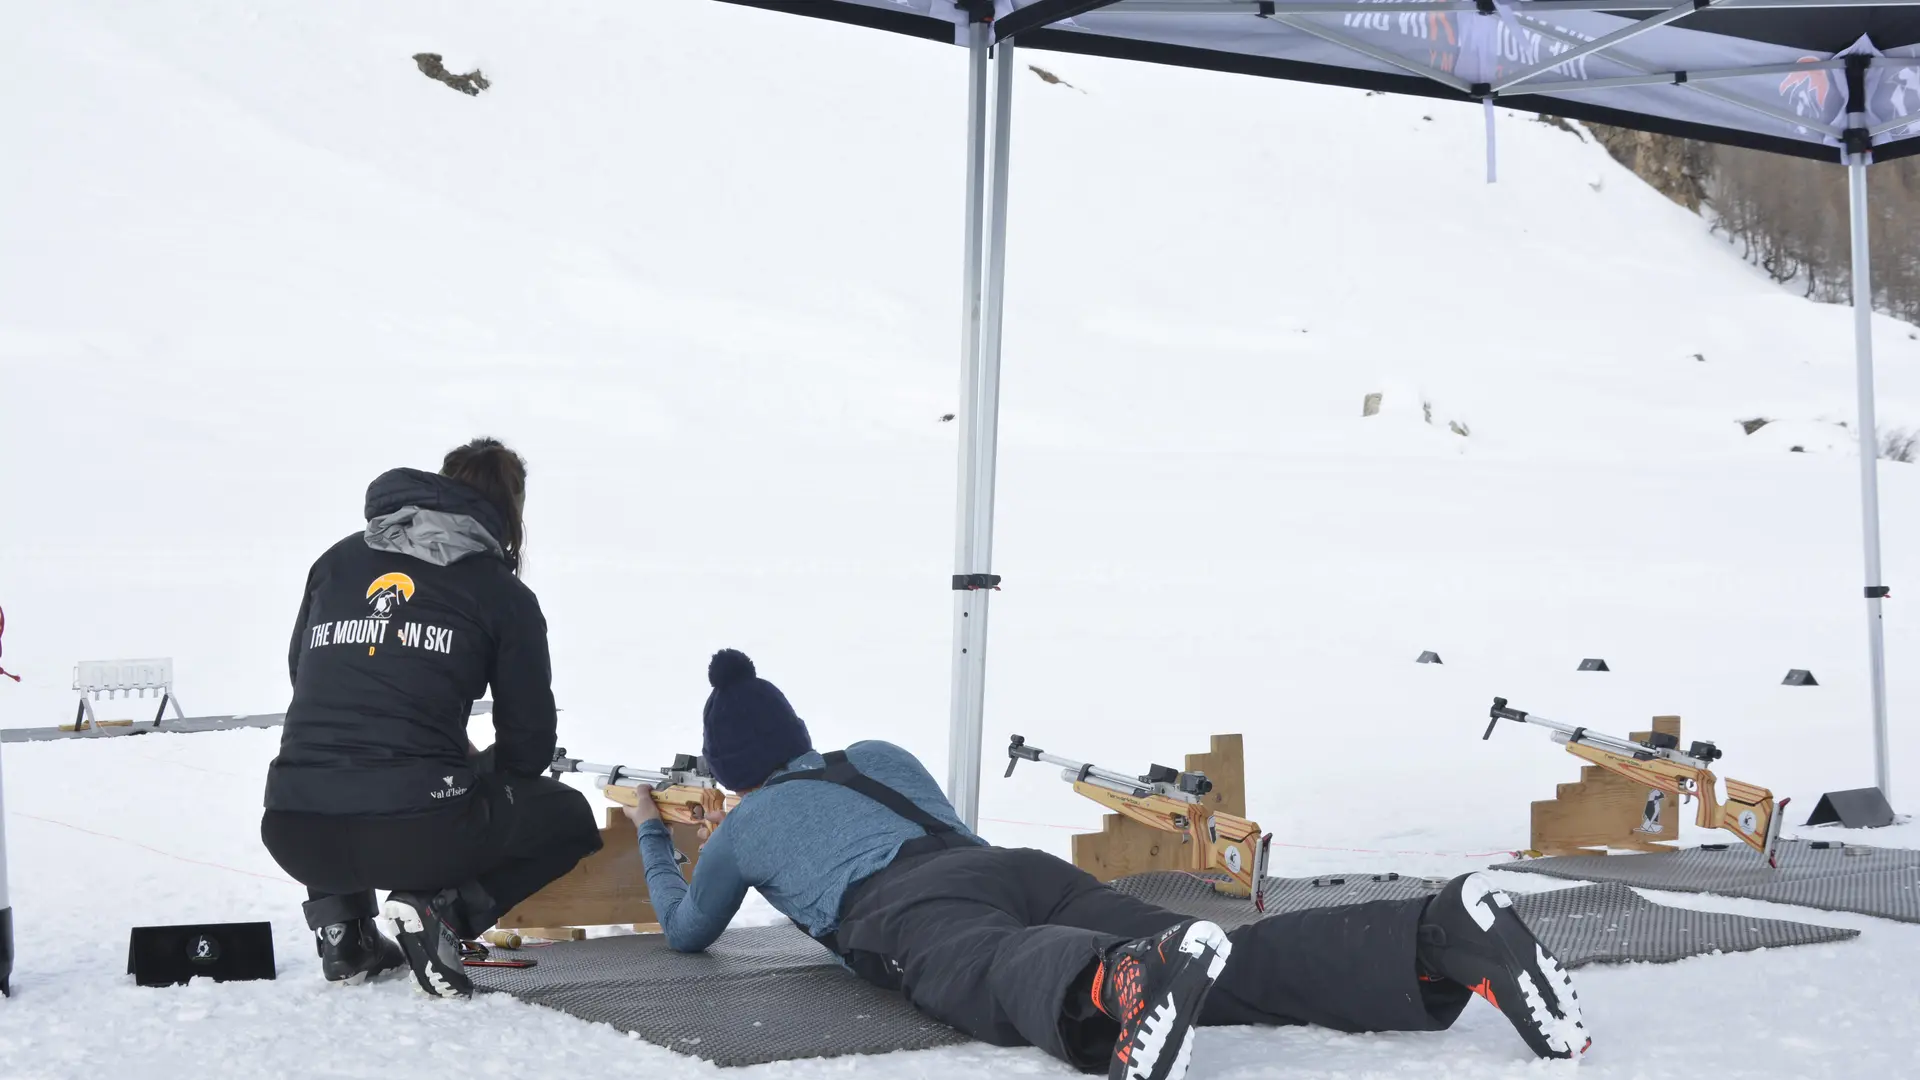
(771, 993)
(759, 994)
(176, 726)
(1596, 924)
(1831, 876)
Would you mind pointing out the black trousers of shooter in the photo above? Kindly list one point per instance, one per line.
(503, 841)
(1001, 942)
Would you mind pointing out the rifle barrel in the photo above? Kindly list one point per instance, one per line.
(626, 776)
(1094, 774)
(1566, 733)
(1110, 779)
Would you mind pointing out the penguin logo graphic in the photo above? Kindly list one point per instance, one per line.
(388, 592)
(1650, 817)
(203, 950)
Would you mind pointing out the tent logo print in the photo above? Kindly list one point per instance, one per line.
(1807, 90)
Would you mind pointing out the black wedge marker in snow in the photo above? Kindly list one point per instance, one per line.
(1429, 657)
(1799, 677)
(1593, 664)
(1858, 808)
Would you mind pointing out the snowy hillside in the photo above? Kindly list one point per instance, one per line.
(250, 257)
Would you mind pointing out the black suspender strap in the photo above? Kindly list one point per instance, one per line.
(940, 836)
(841, 772)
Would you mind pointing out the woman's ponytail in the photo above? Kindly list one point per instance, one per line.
(487, 466)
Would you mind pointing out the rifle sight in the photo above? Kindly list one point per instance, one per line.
(1018, 751)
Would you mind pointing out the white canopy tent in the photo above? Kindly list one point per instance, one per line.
(1832, 80)
(1835, 80)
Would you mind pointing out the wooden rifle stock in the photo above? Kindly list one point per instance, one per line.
(1749, 811)
(680, 804)
(1213, 841)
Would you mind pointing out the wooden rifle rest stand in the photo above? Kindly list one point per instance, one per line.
(1604, 810)
(1124, 846)
(607, 888)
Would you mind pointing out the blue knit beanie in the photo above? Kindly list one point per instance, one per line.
(750, 729)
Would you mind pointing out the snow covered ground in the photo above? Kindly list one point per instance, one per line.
(700, 263)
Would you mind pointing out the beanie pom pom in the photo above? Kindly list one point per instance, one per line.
(729, 666)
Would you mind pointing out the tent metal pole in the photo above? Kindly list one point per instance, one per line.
(1869, 462)
(973, 582)
(6, 903)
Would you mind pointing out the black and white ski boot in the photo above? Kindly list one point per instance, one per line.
(1155, 987)
(1470, 935)
(432, 944)
(353, 952)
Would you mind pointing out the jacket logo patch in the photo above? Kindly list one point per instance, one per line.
(388, 592)
(386, 596)
(450, 791)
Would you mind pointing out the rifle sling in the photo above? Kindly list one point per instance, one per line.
(940, 836)
(841, 772)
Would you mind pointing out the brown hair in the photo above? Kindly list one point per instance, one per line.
(488, 467)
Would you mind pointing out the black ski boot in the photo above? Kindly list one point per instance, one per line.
(1470, 935)
(428, 932)
(353, 952)
(1155, 987)
(351, 947)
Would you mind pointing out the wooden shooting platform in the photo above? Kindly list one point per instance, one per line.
(1124, 846)
(607, 888)
(1605, 811)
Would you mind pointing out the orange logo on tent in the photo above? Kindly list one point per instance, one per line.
(1808, 86)
(388, 592)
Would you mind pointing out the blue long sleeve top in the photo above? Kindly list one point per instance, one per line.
(802, 845)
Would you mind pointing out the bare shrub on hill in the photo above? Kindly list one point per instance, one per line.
(1900, 445)
(1789, 216)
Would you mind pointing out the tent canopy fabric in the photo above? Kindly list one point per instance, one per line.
(1809, 78)
(1832, 80)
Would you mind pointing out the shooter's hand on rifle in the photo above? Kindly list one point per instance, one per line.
(645, 808)
(642, 809)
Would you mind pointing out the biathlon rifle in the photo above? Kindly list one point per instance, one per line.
(685, 791)
(1749, 813)
(1172, 801)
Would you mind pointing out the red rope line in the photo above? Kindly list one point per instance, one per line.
(155, 850)
(1300, 847)
(1391, 851)
(1035, 824)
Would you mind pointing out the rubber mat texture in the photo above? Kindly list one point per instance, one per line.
(176, 726)
(1883, 882)
(1608, 923)
(759, 994)
(771, 993)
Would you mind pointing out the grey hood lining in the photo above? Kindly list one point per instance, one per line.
(433, 536)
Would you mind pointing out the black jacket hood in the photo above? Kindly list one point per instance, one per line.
(397, 489)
